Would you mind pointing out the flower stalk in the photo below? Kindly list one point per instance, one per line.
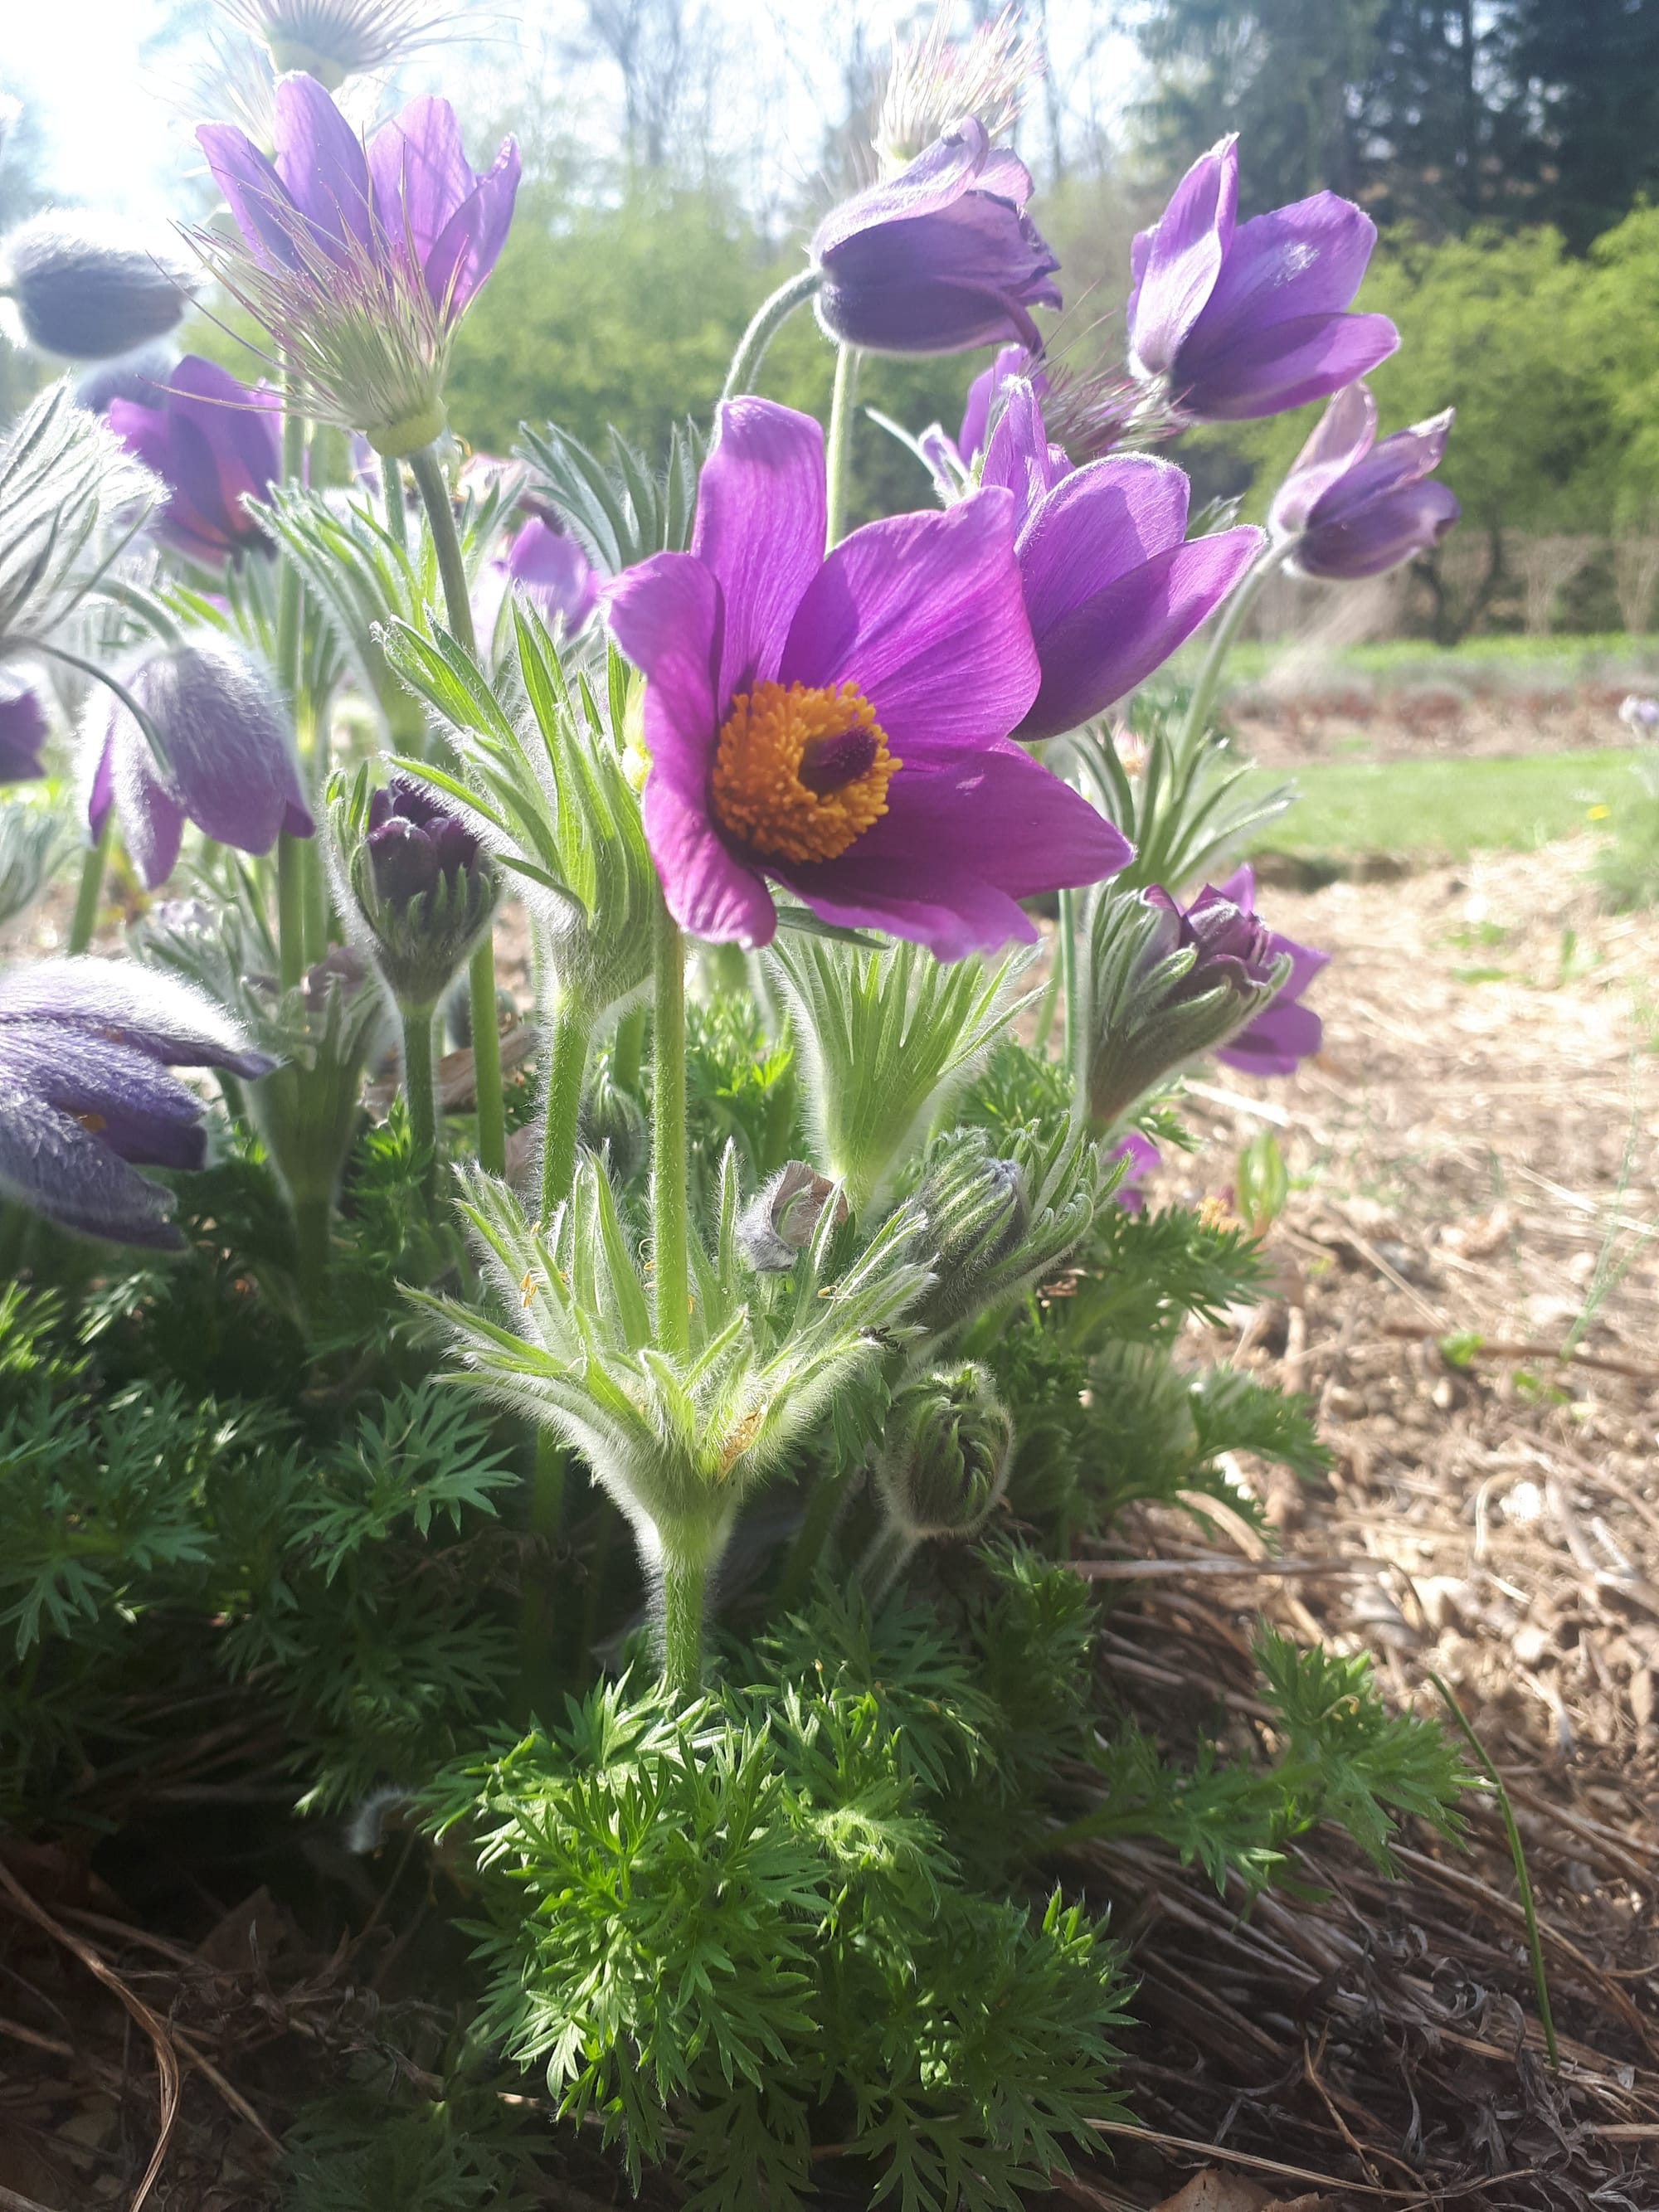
(419, 1094)
(1227, 631)
(668, 1203)
(572, 1036)
(768, 321)
(838, 453)
(290, 865)
(91, 890)
(481, 971)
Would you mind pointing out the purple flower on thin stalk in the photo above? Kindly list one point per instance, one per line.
(1233, 320)
(229, 766)
(215, 444)
(1357, 509)
(361, 261)
(1112, 583)
(1277, 1042)
(23, 731)
(86, 1097)
(841, 724)
(940, 259)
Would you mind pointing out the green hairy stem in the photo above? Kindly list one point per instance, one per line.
(91, 890)
(572, 1035)
(838, 453)
(769, 319)
(419, 1088)
(290, 861)
(668, 1221)
(1222, 643)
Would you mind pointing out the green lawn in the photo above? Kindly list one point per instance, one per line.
(1446, 806)
(1479, 663)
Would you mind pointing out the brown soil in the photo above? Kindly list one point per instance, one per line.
(1288, 727)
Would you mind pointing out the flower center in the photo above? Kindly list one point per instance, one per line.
(800, 771)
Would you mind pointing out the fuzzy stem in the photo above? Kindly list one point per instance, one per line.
(1065, 929)
(1049, 1001)
(1223, 640)
(89, 897)
(290, 865)
(627, 1048)
(683, 1581)
(536, 1592)
(838, 453)
(419, 1094)
(396, 522)
(481, 973)
(668, 1223)
(769, 319)
(885, 1560)
(572, 1035)
(313, 1222)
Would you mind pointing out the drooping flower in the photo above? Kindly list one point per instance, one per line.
(23, 730)
(933, 82)
(1357, 508)
(1233, 321)
(940, 259)
(85, 1097)
(841, 724)
(88, 287)
(1112, 584)
(360, 262)
(1277, 1042)
(548, 569)
(229, 766)
(333, 39)
(215, 444)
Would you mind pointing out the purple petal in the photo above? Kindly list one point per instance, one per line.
(120, 1096)
(935, 179)
(226, 745)
(1342, 439)
(759, 532)
(941, 283)
(1018, 457)
(553, 573)
(419, 175)
(1100, 650)
(49, 1163)
(923, 613)
(22, 734)
(1012, 361)
(710, 891)
(1100, 522)
(255, 194)
(118, 999)
(241, 427)
(1380, 534)
(1180, 263)
(1307, 258)
(321, 160)
(1275, 1042)
(1400, 461)
(472, 239)
(151, 815)
(1270, 370)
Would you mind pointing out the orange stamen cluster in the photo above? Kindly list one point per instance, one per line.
(777, 787)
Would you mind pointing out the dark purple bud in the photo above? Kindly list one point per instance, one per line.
(941, 257)
(87, 288)
(23, 730)
(1287, 1033)
(403, 861)
(138, 376)
(454, 846)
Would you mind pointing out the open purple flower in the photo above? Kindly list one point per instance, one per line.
(1277, 1042)
(85, 1094)
(228, 767)
(22, 733)
(1112, 584)
(1357, 509)
(941, 257)
(1235, 320)
(841, 724)
(361, 261)
(214, 443)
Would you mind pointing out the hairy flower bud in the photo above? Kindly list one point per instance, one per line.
(87, 288)
(780, 1220)
(977, 1212)
(422, 886)
(613, 1123)
(944, 1464)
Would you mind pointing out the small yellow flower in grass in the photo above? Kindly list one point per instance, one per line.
(1598, 813)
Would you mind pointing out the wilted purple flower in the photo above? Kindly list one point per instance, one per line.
(1356, 509)
(85, 1096)
(360, 262)
(1276, 1041)
(548, 569)
(941, 257)
(23, 730)
(1638, 713)
(841, 724)
(1234, 320)
(228, 765)
(1112, 584)
(1141, 1157)
(214, 443)
(88, 287)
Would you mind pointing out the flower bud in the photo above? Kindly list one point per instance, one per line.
(1165, 985)
(782, 1218)
(944, 1464)
(422, 886)
(89, 288)
(977, 1212)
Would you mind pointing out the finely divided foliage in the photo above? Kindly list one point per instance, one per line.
(738, 1222)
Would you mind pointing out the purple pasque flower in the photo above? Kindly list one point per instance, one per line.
(1357, 508)
(215, 444)
(413, 841)
(938, 258)
(226, 763)
(420, 884)
(1234, 320)
(1112, 584)
(361, 261)
(1141, 1157)
(1279, 1040)
(840, 725)
(23, 732)
(548, 569)
(85, 1094)
(1638, 713)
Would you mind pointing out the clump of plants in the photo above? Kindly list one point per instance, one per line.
(643, 1445)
